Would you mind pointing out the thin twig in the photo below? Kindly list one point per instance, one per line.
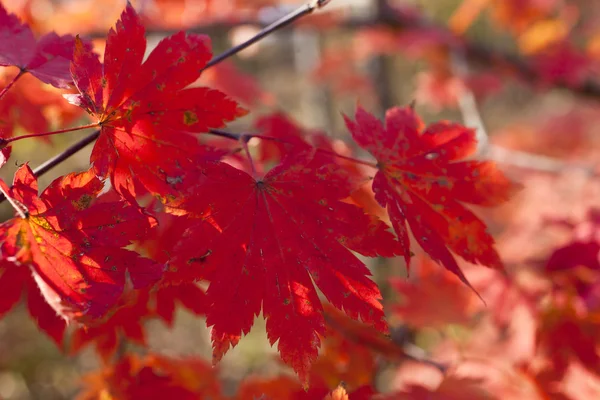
(224, 134)
(468, 104)
(381, 345)
(300, 12)
(237, 136)
(397, 20)
(17, 207)
(11, 83)
(68, 152)
(38, 135)
(54, 161)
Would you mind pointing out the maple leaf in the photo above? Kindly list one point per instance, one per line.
(189, 295)
(227, 77)
(260, 241)
(347, 354)
(434, 300)
(16, 280)
(562, 63)
(566, 334)
(423, 182)
(338, 394)
(354, 340)
(451, 388)
(290, 137)
(152, 377)
(125, 322)
(173, 289)
(74, 247)
(47, 58)
(144, 113)
(281, 387)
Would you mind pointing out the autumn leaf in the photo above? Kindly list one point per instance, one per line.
(564, 64)
(227, 77)
(567, 334)
(152, 377)
(47, 58)
(281, 387)
(338, 394)
(144, 113)
(16, 281)
(451, 388)
(73, 247)
(125, 321)
(289, 137)
(260, 241)
(173, 289)
(434, 300)
(423, 181)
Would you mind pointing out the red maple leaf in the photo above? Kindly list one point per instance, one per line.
(28, 104)
(124, 322)
(153, 377)
(567, 333)
(172, 290)
(451, 388)
(423, 181)
(47, 58)
(289, 137)
(227, 77)
(144, 113)
(260, 241)
(435, 299)
(73, 246)
(16, 280)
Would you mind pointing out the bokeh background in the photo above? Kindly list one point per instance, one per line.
(521, 72)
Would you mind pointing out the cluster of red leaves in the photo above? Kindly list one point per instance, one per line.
(263, 240)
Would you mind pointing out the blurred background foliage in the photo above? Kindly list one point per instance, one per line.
(526, 74)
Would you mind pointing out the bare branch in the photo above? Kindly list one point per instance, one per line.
(475, 53)
(286, 20)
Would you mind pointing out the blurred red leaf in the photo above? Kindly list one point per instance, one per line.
(433, 299)
(47, 59)
(152, 377)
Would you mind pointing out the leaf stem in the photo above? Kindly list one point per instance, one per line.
(224, 134)
(59, 158)
(237, 136)
(34, 135)
(13, 203)
(351, 159)
(66, 153)
(286, 20)
(11, 83)
(244, 139)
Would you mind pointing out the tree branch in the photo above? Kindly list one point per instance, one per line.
(300, 12)
(476, 53)
(286, 20)
(68, 152)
